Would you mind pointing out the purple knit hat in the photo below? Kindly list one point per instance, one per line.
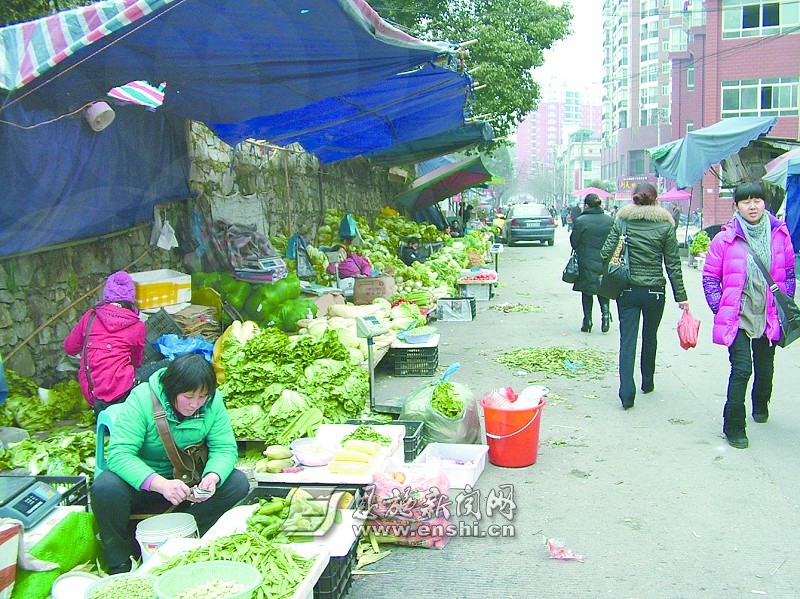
(119, 288)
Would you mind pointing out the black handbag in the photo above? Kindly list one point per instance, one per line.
(617, 271)
(788, 312)
(570, 274)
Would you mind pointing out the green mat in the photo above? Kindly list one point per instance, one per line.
(72, 541)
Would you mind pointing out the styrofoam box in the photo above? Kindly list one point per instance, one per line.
(482, 292)
(305, 589)
(471, 458)
(162, 287)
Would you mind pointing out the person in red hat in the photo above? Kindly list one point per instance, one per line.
(110, 339)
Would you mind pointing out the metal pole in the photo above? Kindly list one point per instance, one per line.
(371, 375)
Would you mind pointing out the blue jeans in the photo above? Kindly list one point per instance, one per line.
(748, 355)
(647, 302)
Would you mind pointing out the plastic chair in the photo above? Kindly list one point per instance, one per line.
(105, 421)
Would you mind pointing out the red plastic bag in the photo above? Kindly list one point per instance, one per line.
(688, 328)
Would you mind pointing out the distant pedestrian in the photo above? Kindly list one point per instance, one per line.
(574, 213)
(587, 238)
(745, 317)
(564, 215)
(651, 243)
(676, 215)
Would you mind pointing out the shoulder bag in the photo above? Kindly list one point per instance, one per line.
(617, 272)
(570, 274)
(188, 464)
(788, 312)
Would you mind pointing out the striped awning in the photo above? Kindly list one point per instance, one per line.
(30, 49)
(139, 92)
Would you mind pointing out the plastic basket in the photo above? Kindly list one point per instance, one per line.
(160, 323)
(415, 361)
(336, 579)
(73, 489)
(183, 578)
(412, 337)
(412, 442)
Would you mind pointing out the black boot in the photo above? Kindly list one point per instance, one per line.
(586, 327)
(605, 325)
(761, 411)
(734, 426)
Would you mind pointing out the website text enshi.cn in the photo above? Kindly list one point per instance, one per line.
(458, 529)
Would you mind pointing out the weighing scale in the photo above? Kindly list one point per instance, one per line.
(368, 327)
(26, 499)
(497, 248)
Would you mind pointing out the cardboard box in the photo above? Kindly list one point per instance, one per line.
(462, 463)
(162, 287)
(367, 289)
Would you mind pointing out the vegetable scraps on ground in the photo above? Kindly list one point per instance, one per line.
(508, 307)
(557, 361)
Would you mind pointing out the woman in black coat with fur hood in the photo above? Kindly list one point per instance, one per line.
(589, 232)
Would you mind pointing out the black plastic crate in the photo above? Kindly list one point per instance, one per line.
(160, 323)
(415, 361)
(336, 579)
(412, 442)
(144, 372)
(74, 490)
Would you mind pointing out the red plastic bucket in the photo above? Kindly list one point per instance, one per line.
(513, 435)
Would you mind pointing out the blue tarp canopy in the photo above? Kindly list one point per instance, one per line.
(394, 111)
(685, 160)
(457, 139)
(230, 61)
(224, 62)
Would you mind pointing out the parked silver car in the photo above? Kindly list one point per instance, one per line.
(529, 222)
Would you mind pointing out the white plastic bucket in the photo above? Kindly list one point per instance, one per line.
(155, 531)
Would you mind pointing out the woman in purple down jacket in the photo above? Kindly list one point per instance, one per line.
(745, 316)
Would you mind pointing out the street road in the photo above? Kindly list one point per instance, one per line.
(654, 498)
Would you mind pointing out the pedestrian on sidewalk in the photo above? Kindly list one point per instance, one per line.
(745, 316)
(651, 242)
(589, 232)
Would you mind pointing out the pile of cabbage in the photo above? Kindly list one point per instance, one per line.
(272, 381)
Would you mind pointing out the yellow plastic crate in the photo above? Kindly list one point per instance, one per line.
(162, 287)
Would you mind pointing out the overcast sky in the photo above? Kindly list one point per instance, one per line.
(578, 59)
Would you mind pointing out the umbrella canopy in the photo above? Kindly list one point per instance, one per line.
(675, 194)
(777, 169)
(444, 182)
(601, 193)
(685, 160)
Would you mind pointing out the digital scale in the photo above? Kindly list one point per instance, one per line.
(26, 499)
(497, 248)
(368, 327)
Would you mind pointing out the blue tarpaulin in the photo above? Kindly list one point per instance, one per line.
(223, 62)
(793, 200)
(64, 181)
(401, 108)
(685, 160)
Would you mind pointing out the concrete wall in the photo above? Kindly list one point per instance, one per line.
(279, 191)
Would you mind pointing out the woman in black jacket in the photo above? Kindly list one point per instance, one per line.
(589, 232)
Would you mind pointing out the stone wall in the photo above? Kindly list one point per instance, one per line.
(281, 191)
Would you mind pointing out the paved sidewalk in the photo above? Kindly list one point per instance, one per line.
(654, 498)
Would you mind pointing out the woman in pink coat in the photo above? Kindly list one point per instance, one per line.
(115, 338)
(745, 316)
(351, 264)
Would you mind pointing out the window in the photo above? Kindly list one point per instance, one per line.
(665, 90)
(690, 76)
(689, 126)
(760, 97)
(587, 165)
(666, 67)
(753, 18)
(665, 22)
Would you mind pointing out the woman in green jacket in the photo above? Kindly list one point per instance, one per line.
(651, 243)
(139, 476)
